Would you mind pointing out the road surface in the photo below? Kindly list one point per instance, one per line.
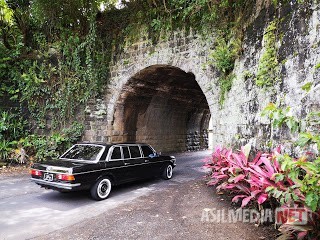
(153, 209)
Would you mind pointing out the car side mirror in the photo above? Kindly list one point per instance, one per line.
(153, 155)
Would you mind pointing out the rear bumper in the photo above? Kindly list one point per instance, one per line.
(58, 185)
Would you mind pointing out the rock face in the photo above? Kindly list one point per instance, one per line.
(165, 94)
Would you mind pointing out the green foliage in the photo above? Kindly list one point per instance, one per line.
(6, 14)
(58, 16)
(5, 149)
(268, 68)
(304, 171)
(225, 83)
(307, 87)
(54, 55)
(308, 138)
(223, 57)
(12, 126)
(305, 175)
(224, 54)
(280, 116)
(317, 66)
(43, 148)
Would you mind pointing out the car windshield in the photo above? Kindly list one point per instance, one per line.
(83, 152)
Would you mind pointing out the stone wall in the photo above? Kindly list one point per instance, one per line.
(239, 119)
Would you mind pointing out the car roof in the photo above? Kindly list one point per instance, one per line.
(112, 144)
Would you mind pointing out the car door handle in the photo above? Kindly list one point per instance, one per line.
(126, 164)
(146, 160)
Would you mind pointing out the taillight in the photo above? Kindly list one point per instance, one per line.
(35, 172)
(65, 177)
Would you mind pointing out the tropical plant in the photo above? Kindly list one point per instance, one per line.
(5, 149)
(42, 148)
(249, 179)
(267, 177)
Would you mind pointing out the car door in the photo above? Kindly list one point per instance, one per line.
(134, 164)
(116, 166)
(154, 163)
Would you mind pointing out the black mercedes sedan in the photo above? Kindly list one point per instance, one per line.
(98, 167)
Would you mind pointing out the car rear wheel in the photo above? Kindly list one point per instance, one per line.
(167, 172)
(101, 189)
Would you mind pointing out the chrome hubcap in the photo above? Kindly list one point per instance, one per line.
(104, 188)
(169, 171)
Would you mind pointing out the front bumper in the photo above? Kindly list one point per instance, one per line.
(173, 160)
(59, 185)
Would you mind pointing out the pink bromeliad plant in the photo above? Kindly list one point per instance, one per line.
(291, 182)
(248, 178)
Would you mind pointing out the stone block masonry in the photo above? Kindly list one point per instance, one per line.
(164, 93)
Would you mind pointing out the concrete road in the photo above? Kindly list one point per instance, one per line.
(28, 211)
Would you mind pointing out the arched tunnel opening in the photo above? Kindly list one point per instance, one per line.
(165, 107)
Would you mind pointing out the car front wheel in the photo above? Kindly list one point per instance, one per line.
(167, 172)
(101, 189)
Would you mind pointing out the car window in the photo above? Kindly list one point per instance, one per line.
(135, 152)
(146, 150)
(83, 152)
(126, 153)
(116, 153)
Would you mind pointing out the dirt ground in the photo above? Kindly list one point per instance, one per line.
(12, 171)
(172, 213)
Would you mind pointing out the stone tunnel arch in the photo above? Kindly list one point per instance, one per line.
(164, 106)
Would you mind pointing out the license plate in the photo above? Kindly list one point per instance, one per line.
(48, 177)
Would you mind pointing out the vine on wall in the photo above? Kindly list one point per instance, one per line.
(268, 68)
(55, 56)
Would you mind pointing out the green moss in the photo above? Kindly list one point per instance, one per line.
(224, 54)
(268, 68)
(225, 84)
(126, 61)
(223, 58)
(247, 74)
(307, 87)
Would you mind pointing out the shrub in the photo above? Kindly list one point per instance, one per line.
(42, 148)
(270, 176)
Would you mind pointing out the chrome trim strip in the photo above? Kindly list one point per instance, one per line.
(68, 186)
(58, 170)
(123, 166)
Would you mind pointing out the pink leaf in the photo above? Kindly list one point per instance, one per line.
(260, 172)
(255, 192)
(212, 182)
(276, 164)
(243, 188)
(240, 160)
(262, 198)
(236, 198)
(277, 150)
(239, 178)
(246, 200)
(302, 235)
(254, 181)
(257, 157)
(230, 186)
(221, 176)
(268, 165)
